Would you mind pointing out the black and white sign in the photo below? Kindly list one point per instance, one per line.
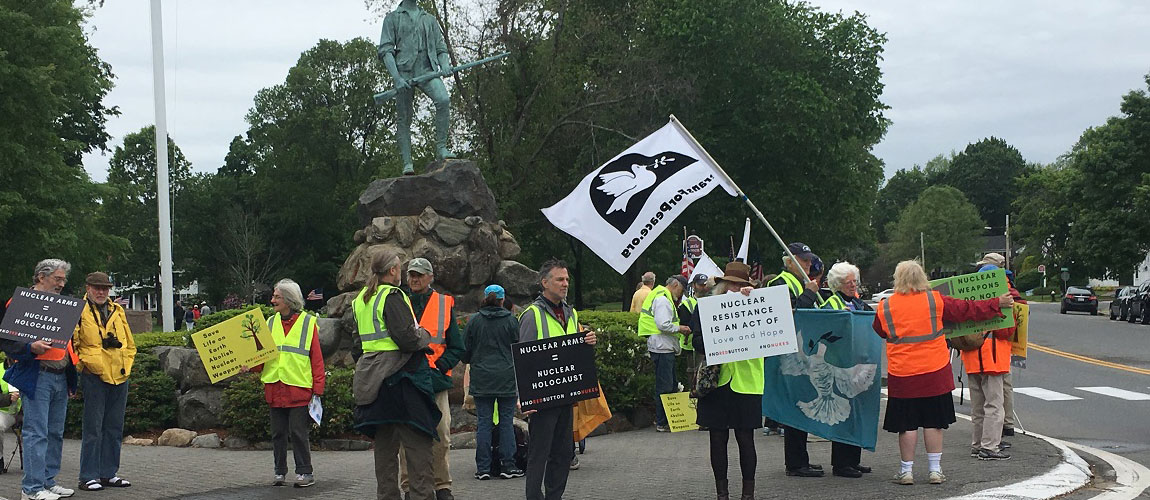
(555, 372)
(737, 327)
(621, 207)
(35, 315)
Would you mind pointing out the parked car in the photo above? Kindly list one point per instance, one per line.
(1120, 306)
(1140, 305)
(885, 294)
(1080, 298)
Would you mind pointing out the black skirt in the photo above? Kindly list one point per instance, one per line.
(727, 409)
(908, 414)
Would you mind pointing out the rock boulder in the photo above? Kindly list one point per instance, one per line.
(457, 190)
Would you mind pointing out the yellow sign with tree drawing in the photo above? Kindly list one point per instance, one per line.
(680, 409)
(241, 341)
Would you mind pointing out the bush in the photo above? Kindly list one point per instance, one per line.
(146, 341)
(1028, 280)
(246, 411)
(625, 371)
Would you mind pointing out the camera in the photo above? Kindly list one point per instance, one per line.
(111, 342)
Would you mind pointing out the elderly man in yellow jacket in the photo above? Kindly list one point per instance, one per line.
(106, 350)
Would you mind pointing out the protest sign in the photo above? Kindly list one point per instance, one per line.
(737, 327)
(241, 341)
(35, 315)
(1019, 340)
(680, 410)
(975, 286)
(556, 371)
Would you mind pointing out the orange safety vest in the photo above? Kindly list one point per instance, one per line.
(435, 319)
(993, 358)
(915, 341)
(55, 353)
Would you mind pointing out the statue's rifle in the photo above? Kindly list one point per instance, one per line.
(382, 97)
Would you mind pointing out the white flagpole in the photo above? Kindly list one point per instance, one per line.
(740, 193)
(165, 214)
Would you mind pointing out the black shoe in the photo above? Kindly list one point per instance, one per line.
(985, 454)
(805, 471)
(846, 472)
(1003, 445)
(1008, 431)
(482, 476)
(510, 473)
(862, 468)
(815, 466)
(444, 494)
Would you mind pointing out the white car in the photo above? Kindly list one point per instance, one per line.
(876, 298)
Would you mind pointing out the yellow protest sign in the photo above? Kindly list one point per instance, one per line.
(241, 341)
(680, 409)
(1019, 340)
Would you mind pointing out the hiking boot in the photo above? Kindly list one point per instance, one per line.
(721, 491)
(985, 454)
(444, 494)
(905, 478)
(937, 477)
(748, 490)
(510, 473)
(1008, 431)
(304, 480)
(846, 472)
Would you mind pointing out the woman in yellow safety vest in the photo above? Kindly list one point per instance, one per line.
(737, 403)
(291, 380)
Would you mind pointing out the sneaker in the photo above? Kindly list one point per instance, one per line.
(662, 428)
(574, 463)
(40, 495)
(1003, 445)
(974, 452)
(511, 473)
(937, 477)
(906, 478)
(62, 491)
(304, 480)
(444, 494)
(482, 476)
(1008, 431)
(985, 454)
(279, 480)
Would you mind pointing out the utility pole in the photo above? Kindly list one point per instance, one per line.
(922, 249)
(1008, 241)
(162, 189)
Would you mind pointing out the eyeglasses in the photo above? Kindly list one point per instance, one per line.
(850, 283)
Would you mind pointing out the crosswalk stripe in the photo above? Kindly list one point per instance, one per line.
(1117, 393)
(964, 393)
(1045, 394)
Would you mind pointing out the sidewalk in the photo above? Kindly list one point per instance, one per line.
(638, 464)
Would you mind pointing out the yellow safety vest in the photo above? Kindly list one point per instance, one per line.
(546, 326)
(293, 364)
(745, 377)
(693, 306)
(793, 283)
(647, 325)
(13, 408)
(369, 320)
(834, 302)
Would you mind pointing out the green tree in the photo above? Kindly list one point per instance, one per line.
(132, 205)
(903, 188)
(986, 172)
(950, 227)
(52, 111)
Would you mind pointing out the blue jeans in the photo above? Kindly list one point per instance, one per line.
(103, 429)
(44, 431)
(484, 409)
(664, 382)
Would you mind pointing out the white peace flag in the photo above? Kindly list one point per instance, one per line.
(619, 209)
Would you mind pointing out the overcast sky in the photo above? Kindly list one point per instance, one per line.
(1035, 73)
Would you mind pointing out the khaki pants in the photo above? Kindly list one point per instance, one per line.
(1008, 400)
(388, 440)
(439, 465)
(986, 410)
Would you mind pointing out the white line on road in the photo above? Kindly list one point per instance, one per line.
(964, 393)
(1045, 394)
(1117, 393)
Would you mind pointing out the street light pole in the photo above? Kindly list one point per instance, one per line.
(1008, 241)
(922, 249)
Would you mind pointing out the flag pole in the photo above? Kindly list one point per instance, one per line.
(738, 191)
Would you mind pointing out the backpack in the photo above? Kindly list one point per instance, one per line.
(967, 343)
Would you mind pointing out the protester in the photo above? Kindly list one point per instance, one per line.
(45, 376)
(190, 318)
(549, 450)
(290, 380)
(645, 288)
(843, 279)
(687, 312)
(488, 337)
(986, 367)
(395, 401)
(435, 311)
(196, 312)
(659, 323)
(919, 379)
(737, 403)
(205, 309)
(178, 315)
(803, 296)
(9, 408)
(106, 350)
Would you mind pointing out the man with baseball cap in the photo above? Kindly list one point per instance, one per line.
(435, 311)
(659, 322)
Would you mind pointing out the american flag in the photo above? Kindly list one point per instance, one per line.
(688, 265)
(123, 301)
(315, 294)
(757, 271)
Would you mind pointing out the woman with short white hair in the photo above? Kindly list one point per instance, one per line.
(843, 279)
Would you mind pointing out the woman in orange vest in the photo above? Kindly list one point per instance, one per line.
(919, 375)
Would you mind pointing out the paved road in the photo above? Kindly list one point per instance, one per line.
(1084, 402)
